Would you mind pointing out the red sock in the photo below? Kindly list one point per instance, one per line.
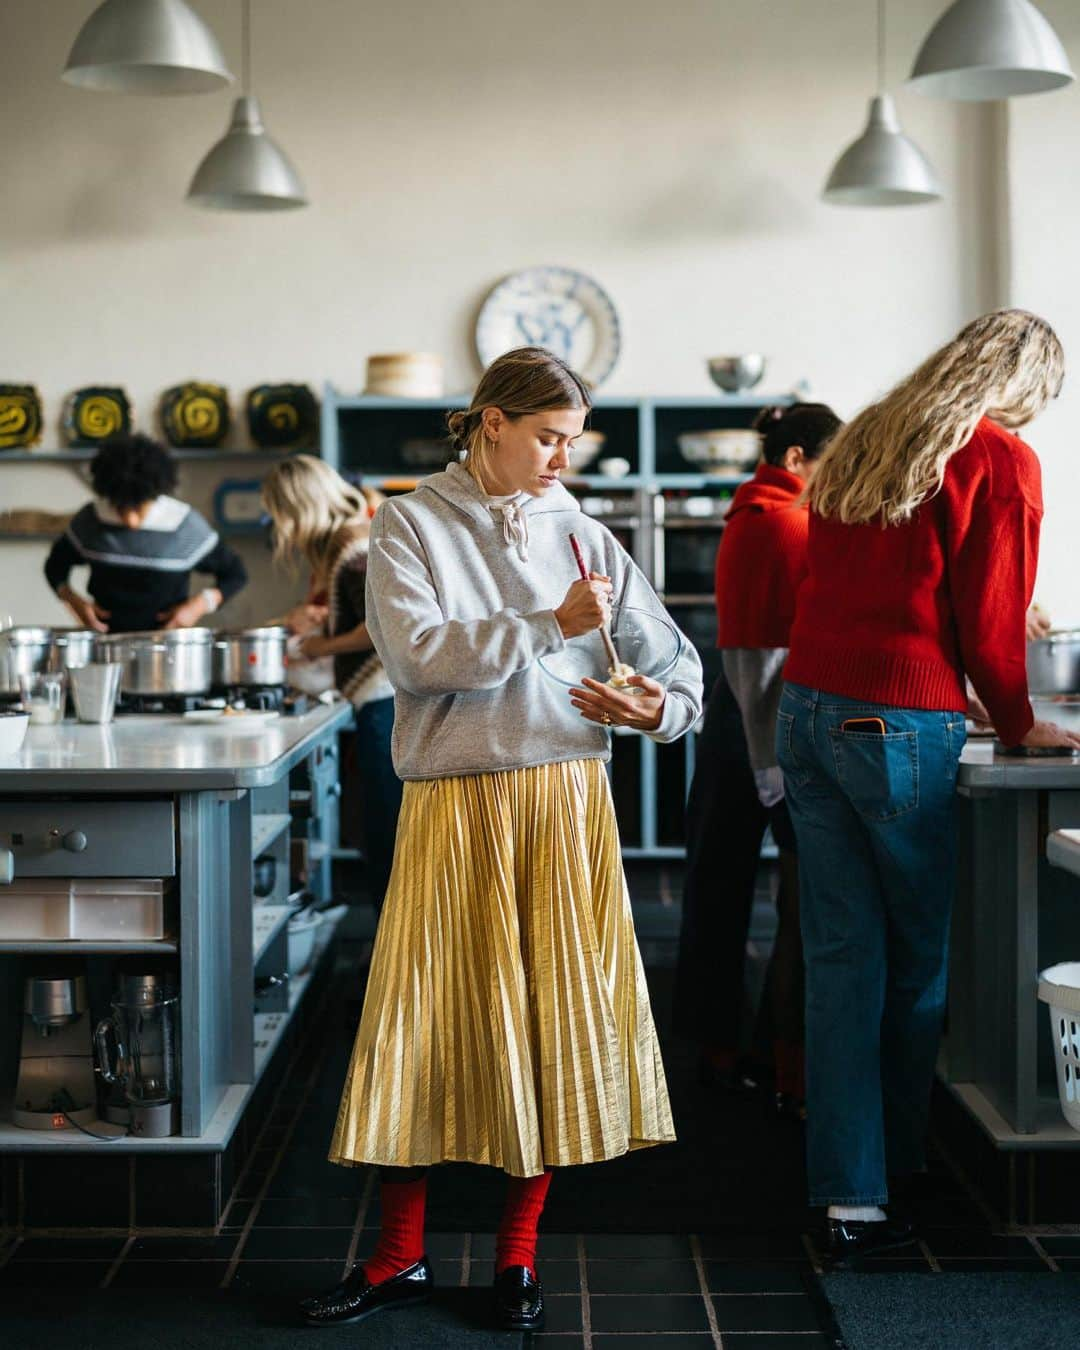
(515, 1244)
(401, 1237)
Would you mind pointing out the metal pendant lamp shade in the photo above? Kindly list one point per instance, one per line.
(990, 49)
(882, 167)
(246, 170)
(146, 47)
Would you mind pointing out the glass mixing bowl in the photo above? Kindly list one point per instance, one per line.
(649, 644)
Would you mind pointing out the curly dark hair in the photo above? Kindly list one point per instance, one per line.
(131, 469)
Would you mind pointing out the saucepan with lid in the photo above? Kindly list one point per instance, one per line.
(1053, 663)
(250, 656)
(23, 651)
(174, 661)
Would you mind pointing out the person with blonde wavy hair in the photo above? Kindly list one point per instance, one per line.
(320, 517)
(923, 543)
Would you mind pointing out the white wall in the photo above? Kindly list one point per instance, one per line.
(1044, 208)
(676, 152)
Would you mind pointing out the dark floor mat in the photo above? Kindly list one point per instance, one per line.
(1010, 1310)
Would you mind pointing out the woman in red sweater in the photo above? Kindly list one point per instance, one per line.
(760, 565)
(924, 530)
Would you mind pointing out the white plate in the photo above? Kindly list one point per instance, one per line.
(247, 720)
(553, 307)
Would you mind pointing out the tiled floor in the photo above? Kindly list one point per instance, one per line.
(745, 1281)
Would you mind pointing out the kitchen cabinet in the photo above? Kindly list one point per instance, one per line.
(195, 807)
(667, 515)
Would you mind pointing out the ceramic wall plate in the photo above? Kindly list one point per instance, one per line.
(94, 414)
(283, 417)
(553, 307)
(195, 415)
(20, 416)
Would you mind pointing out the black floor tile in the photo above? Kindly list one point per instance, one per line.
(557, 1277)
(448, 1275)
(555, 1341)
(661, 1341)
(296, 1244)
(182, 1248)
(563, 1312)
(757, 1312)
(744, 1277)
(286, 1279)
(551, 1247)
(736, 1246)
(645, 1246)
(333, 1212)
(1061, 1246)
(169, 1275)
(643, 1277)
(50, 1274)
(649, 1312)
(237, 1214)
(67, 1249)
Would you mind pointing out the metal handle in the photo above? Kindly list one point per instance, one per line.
(112, 1068)
(7, 866)
(75, 841)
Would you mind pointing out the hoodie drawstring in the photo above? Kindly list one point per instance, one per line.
(515, 525)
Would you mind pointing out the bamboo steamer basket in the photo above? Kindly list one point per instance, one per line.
(405, 375)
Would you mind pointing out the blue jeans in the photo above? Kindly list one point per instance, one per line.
(875, 821)
(381, 788)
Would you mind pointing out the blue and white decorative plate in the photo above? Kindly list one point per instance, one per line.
(553, 307)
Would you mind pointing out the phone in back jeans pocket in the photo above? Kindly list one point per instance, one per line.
(878, 773)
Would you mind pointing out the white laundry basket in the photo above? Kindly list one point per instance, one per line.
(1059, 986)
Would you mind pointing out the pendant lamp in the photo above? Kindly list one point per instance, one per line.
(246, 170)
(989, 49)
(882, 167)
(146, 47)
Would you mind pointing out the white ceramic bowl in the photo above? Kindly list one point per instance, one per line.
(302, 928)
(724, 451)
(651, 645)
(585, 449)
(12, 732)
(615, 467)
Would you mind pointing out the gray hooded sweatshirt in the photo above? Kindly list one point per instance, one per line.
(461, 594)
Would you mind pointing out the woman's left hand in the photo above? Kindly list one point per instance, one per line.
(314, 647)
(601, 703)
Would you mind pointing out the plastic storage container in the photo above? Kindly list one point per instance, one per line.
(1059, 988)
(128, 909)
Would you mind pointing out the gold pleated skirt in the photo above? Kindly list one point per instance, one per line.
(507, 1017)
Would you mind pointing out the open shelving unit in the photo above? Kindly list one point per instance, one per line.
(370, 437)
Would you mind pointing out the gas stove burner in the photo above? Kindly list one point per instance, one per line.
(258, 697)
(160, 703)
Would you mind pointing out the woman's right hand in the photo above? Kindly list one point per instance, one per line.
(88, 614)
(1049, 733)
(306, 618)
(587, 606)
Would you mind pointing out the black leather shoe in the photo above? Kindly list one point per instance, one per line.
(519, 1300)
(356, 1298)
(847, 1241)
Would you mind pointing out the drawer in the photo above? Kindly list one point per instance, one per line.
(88, 838)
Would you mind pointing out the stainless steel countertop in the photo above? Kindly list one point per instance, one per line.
(981, 768)
(163, 753)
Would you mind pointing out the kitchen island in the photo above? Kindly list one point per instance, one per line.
(192, 806)
(1016, 913)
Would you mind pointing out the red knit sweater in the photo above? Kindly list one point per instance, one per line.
(900, 614)
(761, 561)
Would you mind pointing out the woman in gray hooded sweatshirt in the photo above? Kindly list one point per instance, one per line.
(507, 1019)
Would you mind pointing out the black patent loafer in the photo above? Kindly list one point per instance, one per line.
(519, 1300)
(848, 1241)
(356, 1298)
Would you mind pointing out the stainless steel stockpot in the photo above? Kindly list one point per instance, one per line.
(23, 651)
(250, 656)
(1053, 663)
(74, 648)
(174, 661)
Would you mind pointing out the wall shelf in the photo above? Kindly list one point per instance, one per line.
(80, 454)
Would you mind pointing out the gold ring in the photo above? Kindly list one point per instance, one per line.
(606, 719)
